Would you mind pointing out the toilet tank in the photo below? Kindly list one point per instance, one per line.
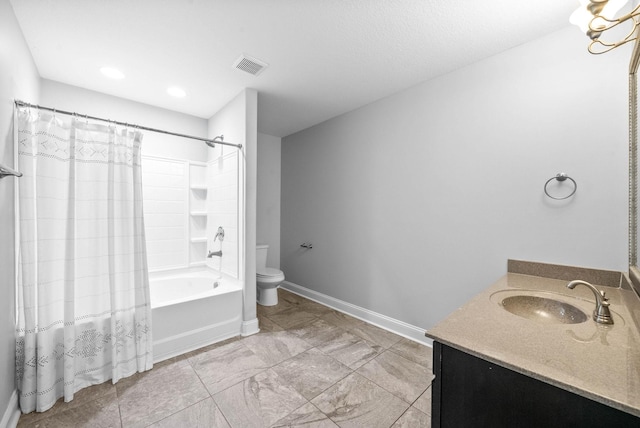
(261, 257)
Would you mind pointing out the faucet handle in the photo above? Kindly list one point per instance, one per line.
(602, 314)
(219, 234)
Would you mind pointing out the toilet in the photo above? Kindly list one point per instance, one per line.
(267, 279)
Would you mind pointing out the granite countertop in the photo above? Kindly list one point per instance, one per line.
(595, 361)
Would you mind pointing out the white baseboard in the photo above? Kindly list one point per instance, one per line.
(249, 327)
(390, 324)
(11, 413)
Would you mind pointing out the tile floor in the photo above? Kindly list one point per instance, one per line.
(309, 366)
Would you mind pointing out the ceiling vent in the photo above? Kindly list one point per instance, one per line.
(250, 65)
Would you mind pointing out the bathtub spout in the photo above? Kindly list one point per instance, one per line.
(214, 253)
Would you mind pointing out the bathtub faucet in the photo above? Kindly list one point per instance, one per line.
(214, 253)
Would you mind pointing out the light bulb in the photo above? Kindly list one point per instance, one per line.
(582, 16)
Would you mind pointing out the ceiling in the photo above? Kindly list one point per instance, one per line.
(326, 57)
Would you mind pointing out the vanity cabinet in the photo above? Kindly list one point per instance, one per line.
(471, 392)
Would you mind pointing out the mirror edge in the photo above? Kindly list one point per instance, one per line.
(634, 270)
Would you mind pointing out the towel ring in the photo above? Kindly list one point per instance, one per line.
(561, 177)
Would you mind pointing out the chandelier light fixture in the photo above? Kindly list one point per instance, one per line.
(597, 17)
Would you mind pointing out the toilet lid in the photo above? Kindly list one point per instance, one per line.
(269, 272)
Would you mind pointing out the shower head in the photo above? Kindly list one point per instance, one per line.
(218, 139)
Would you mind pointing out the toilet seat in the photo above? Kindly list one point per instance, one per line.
(269, 273)
(272, 278)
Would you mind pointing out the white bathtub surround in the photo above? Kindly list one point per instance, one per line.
(393, 325)
(165, 185)
(193, 308)
(83, 294)
(176, 205)
(223, 191)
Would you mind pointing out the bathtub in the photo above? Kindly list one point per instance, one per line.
(192, 308)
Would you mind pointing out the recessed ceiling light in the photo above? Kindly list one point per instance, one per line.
(112, 73)
(174, 91)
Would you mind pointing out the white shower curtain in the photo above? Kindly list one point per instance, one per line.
(83, 312)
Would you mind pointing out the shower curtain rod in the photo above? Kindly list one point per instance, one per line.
(216, 140)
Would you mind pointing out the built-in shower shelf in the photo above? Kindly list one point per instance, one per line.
(199, 240)
(199, 187)
(198, 213)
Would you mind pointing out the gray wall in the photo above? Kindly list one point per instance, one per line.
(18, 79)
(268, 206)
(415, 202)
